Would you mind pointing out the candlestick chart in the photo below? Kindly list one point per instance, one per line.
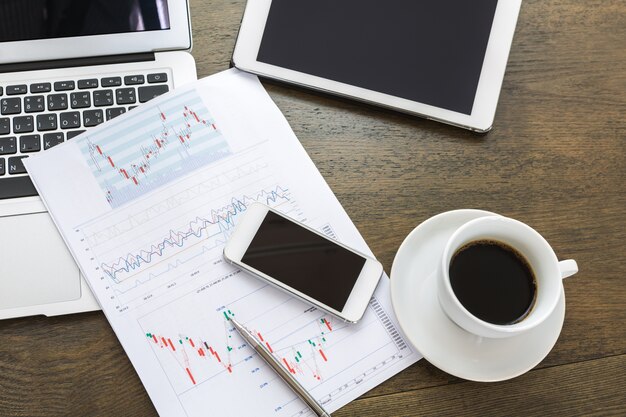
(199, 349)
(159, 145)
(192, 356)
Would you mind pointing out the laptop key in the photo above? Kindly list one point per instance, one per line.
(46, 122)
(2, 166)
(134, 79)
(103, 98)
(11, 105)
(69, 120)
(16, 166)
(52, 139)
(1, 91)
(90, 83)
(34, 104)
(8, 145)
(30, 143)
(40, 88)
(80, 100)
(152, 91)
(23, 124)
(157, 78)
(57, 102)
(5, 125)
(73, 133)
(64, 85)
(13, 90)
(13, 187)
(92, 117)
(111, 82)
(112, 113)
(125, 96)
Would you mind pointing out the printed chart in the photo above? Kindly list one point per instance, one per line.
(152, 246)
(159, 145)
(163, 257)
(146, 207)
(199, 350)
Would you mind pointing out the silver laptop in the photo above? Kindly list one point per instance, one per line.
(66, 66)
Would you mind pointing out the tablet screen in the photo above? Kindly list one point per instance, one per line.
(428, 51)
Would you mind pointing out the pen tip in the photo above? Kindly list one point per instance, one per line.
(236, 323)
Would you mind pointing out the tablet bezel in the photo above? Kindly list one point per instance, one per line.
(177, 37)
(487, 92)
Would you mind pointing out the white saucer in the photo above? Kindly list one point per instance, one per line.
(440, 340)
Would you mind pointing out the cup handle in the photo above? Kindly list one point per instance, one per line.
(568, 268)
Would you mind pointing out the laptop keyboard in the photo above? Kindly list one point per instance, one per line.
(37, 116)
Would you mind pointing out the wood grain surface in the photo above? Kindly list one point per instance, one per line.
(555, 159)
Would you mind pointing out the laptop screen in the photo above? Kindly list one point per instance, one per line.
(22, 20)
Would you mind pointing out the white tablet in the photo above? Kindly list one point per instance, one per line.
(439, 59)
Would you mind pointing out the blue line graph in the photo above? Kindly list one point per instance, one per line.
(217, 226)
(177, 263)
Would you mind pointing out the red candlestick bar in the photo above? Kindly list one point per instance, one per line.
(328, 325)
(289, 367)
(190, 376)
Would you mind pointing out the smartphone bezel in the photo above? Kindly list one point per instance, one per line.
(360, 294)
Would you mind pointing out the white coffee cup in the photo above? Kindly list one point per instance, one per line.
(547, 269)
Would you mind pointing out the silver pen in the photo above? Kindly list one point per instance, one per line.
(285, 376)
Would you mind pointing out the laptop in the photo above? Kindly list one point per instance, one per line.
(65, 67)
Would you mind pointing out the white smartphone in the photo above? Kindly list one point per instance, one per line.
(303, 262)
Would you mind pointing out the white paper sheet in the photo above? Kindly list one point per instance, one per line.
(146, 203)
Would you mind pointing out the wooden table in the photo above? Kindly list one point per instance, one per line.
(555, 160)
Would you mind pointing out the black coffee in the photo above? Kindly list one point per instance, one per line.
(493, 281)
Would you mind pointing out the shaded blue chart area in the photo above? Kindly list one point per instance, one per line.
(156, 146)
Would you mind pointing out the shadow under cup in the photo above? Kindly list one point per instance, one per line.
(531, 245)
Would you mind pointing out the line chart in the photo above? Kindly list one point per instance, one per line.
(217, 225)
(167, 142)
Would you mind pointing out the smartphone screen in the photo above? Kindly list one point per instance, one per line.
(303, 260)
